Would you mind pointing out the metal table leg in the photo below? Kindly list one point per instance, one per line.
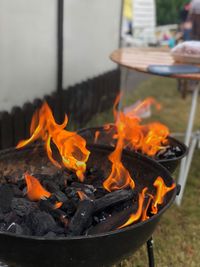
(186, 162)
(123, 85)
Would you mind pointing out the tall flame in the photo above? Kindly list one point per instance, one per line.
(71, 146)
(162, 190)
(136, 216)
(148, 138)
(119, 177)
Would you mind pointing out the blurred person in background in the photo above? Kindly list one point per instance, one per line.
(186, 24)
(127, 28)
(195, 19)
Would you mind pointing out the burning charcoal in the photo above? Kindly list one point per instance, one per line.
(66, 179)
(11, 217)
(22, 206)
(16, 191)
(26, 230)
(114, 198)
(69, 207)
(6, 196)
(50, 235)
(2, 227)
(21, 184)
(1, 217)
(40, 223)
(169, 154)
(86, 188)
(113, 221)
(100, 192)
(60, 196)
(14, 177)
(81, 219)
(71, 193)
(15, 229)
(50, 186)
(58, 230)
(46, 205)
(42, 177)
(50, 170)
(101, 217)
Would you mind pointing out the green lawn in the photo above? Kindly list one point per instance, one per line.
(177, 242)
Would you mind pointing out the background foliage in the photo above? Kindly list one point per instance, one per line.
(168, 11)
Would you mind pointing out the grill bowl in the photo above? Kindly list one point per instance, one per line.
(88, 251)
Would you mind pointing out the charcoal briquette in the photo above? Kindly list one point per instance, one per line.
(6, 196)
(23, 206)
(15, 229)
(40, 223)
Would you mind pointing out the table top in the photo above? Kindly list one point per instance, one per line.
(140, 58)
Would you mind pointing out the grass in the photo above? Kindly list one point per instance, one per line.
(176, 239)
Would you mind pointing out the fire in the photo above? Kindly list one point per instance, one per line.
(147, 138)
(136, 216)
(35, 191)
(144, 213)
(162, 190)
(71, 146)
(119, 177)
(152, 204)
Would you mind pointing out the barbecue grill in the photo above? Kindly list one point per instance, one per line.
(93, 250)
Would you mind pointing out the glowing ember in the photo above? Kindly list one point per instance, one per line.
(162, 190)
(71, 146)
(35, 191)
(57, 205)
(97, 133)
(136, 216)
(81, 195)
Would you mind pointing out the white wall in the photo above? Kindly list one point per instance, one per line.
(91, 34)
(28, 45)
(27, 50)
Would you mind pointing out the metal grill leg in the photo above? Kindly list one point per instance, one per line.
(150, 252)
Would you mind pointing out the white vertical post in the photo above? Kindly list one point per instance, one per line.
(185, 163)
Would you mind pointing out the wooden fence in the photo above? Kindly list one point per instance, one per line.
(80, 102)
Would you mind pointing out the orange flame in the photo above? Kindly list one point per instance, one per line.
(119, 177)
(148, 138)
(162, 190)
(144, 213)
(136, 216)
(71, 146)
(35, 191)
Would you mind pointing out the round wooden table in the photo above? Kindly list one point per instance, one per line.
(140, 59)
